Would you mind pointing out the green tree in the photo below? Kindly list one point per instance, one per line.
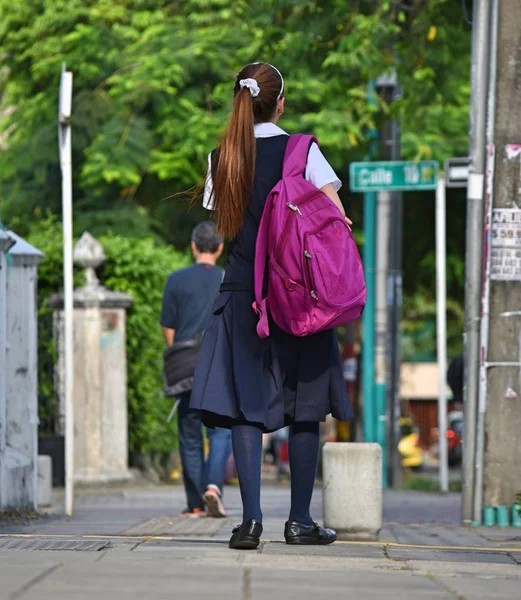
(152, 90)
(153, 80)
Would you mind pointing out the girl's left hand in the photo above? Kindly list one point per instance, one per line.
(349, 222)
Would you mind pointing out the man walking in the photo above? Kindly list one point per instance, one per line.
(188, 298)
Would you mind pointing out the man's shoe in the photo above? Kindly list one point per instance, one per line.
(214, 504)
(309, 535)
(246, 536)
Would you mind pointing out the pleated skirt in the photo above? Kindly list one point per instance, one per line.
(271, 383)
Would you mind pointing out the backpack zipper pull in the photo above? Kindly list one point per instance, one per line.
(307, 254)
(294, 208)
(313, 295)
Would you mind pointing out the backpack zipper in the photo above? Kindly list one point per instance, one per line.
(311, 283)
(296, 209)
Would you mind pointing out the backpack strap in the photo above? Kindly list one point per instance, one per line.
(296, 155)
(260, 306)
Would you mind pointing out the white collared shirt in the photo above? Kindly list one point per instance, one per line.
(318, 171)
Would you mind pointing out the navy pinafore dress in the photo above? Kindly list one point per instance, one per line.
(273, 382)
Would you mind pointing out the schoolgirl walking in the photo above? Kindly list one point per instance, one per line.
(256, 372)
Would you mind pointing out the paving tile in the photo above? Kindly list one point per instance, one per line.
(387, 534)
(190, 547)
(506, 535)
(442, 568)
(482, 588)
(177, 526)
(404, 553)
(363, 584)
(347, 550)
(124, 576)
(440, 535)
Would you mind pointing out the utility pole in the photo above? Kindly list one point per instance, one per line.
(441, 330)
(500, 457)
(382, 255)
(65, 148)
(392, 246)
(473, 253)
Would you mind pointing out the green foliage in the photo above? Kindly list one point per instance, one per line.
(152, 91)
(419, 327)
(139, 267)
(153, 84)
(425, 484)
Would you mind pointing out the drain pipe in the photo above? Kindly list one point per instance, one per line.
(473, 252)
(477, 506)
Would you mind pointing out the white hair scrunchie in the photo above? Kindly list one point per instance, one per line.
(252, 85)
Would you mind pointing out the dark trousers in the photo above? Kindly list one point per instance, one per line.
(198, 474)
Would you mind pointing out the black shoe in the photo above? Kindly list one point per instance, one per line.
(246, 536)
(309, 535)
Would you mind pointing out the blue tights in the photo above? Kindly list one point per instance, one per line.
(303, 459)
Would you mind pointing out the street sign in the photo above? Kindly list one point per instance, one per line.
(456, 172)
(393, 176)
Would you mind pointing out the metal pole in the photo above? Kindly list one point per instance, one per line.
(66, 168)
(390, 141)
(395, 298)
(441, 332)
(473, 258)
(382, 255)
(382, 252)
(485, 309)
(393, 338)
(368, 320)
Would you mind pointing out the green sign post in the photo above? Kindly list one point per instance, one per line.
(394, 176)
(397, 176)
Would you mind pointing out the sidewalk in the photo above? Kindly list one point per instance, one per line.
(129, 543)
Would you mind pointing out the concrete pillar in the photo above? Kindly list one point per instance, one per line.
(100, 372)
(5, 243)
(19, 439)
(353, 489)
(44, 481)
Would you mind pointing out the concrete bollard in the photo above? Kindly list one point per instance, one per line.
(44, 480)
(353, 490)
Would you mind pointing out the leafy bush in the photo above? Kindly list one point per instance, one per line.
(139, 267)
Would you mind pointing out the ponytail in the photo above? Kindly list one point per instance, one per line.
(233, 177)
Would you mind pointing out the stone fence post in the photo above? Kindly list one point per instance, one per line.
(18, 373)
(5, 243)
(100, 372)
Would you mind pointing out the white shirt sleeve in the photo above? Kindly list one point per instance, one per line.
(208, 202)
(318, 171)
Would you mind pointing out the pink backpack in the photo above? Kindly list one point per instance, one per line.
(315, 275)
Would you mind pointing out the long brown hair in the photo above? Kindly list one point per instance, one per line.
(233, 167)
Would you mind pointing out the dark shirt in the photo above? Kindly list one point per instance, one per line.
(455, 378)
(188, 299)
(241, 251)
